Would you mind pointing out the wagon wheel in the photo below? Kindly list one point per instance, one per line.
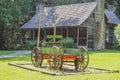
(55, 58)
(36, 57)
(82, 59)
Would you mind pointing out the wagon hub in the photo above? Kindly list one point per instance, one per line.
(81, 58)
(35, 57)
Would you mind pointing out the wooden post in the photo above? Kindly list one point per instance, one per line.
(67, 33)
(61, 31)
(77, 35)
(44, 34)
(21, 41)
(33, 34)
(87, 38)
(26, 37)
(39, 24)
(54, 24)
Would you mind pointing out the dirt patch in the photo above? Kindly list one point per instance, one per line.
(66, 70)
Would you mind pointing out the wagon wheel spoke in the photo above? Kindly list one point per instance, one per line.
(40, 58)
(36, 57)
(83, 59)
(82, 66)
(55, 58)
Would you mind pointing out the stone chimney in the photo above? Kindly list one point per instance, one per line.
(99, 25)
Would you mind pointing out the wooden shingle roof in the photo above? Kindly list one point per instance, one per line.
(112, 17)
(67, 15)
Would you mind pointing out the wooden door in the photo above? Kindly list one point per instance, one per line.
(83, 36)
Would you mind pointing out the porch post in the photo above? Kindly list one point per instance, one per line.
(21, 41)
(45, 34)
(26, 37)
(67, 32)
(77, 35)
(62, 31)
(33, 34)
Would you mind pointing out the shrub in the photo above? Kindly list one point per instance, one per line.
(31, 44)
(68, 43)
(117, 34)
(116, 46)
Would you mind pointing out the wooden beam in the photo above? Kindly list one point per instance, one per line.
(21, 41)
(39, 25)
(67, 32)
(45, 34)
(87, 38)
(61, 31)
(55, 25)
(33, 34)
(77, 35)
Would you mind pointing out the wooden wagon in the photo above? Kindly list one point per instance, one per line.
(56, 55)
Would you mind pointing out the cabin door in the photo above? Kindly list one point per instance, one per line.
(83, 36)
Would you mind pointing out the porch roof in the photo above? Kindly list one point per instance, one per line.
(112, 17)
(67, 15)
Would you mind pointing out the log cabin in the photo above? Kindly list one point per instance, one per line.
(89, 24)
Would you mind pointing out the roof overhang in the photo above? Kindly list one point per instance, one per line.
(67, 15)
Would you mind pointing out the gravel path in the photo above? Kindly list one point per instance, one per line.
(17, 53)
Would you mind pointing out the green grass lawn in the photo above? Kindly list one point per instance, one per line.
(109, 59)
(6, 52)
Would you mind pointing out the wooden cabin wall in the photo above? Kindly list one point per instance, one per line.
(59, 31)
(73, 33)
(110, 36)
(64, 32)
(90, 24)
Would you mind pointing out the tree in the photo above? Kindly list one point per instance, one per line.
(13, 13)
(64, 2)
(117, 33)
(116, 3)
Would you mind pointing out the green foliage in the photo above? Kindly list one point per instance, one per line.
(117, 35)
(13, 13)
(116, 3)
(32, 43)
(23, 47)
(28, 46)
(64, 2)
(68, 43)
(6, 52)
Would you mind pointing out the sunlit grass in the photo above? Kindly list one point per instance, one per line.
(104, 51)
(109, 59)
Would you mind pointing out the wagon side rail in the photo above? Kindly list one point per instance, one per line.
(58, 43)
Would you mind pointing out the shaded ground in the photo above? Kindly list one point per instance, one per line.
(17, 53)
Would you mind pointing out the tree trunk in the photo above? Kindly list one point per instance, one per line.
(100, 25)
(1, 36)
